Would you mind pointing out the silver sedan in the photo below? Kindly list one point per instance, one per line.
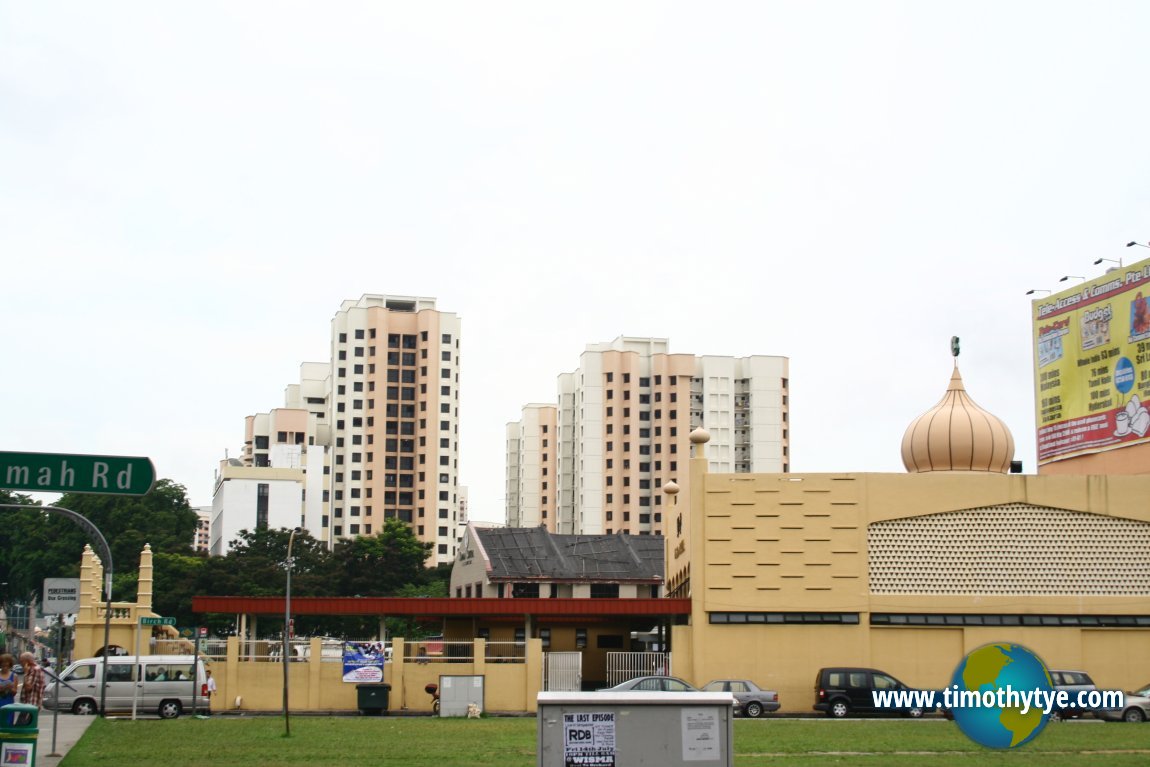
(753, 700)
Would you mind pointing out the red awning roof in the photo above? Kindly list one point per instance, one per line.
(440, 606)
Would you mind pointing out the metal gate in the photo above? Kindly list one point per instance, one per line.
(563, 671)
(622, 666)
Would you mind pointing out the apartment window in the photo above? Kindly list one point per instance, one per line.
(445, 373)
(626, 378)
(262, 496)
(446, 338)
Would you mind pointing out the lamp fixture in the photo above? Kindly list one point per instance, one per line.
(1111, 260)
(1032, 291)
(1072, 277)
(1131, 243)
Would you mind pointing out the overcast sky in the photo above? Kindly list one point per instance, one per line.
(188, 191)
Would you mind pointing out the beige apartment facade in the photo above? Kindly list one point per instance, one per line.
(394, 405)
(620, 433)
(532, 468)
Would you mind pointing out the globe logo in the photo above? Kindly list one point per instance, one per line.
(988, 670)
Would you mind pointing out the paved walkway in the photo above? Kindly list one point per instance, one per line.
(70, 729)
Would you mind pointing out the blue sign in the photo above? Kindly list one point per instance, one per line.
(1124, 375)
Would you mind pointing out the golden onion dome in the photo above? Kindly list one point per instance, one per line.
(957, 435)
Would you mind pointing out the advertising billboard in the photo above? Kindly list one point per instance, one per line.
(1092, 365)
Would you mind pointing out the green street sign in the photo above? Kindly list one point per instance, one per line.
(157, 621)
(55, 473)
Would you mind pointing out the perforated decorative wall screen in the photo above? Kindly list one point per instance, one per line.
(1011, 549)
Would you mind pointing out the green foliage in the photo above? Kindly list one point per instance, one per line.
(380, 565)
(35, 545)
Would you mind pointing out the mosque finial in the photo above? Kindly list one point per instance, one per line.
(954, 347)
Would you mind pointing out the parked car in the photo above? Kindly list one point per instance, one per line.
(1136, 708)
(752, 700)
(844, 690)
(1073, 682)
(652, 684)
(162, 684)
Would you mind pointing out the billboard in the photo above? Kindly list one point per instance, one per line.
(1092, 365)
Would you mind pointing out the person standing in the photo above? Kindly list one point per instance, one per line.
(211, 690)
(8, 681)
(32, 691)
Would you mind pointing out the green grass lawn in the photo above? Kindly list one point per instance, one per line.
(510, 742)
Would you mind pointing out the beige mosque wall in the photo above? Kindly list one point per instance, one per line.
(862, 556)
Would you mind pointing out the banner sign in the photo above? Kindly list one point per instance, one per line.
(363, 661)
(1092, 365)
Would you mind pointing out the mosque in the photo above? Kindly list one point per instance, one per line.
(789, 573)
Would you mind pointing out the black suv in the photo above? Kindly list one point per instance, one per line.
(1073, 682)
(842, 691)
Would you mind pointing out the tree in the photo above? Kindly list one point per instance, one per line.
(380, 565)
(35, 545)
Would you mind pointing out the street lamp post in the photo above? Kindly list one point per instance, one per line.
(286, 648)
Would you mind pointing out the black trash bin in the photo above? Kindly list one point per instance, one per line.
(371, 699)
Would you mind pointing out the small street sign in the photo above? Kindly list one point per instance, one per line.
(58, 473)
(61, 595)
(157, 621)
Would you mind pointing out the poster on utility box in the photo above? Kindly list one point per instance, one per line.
(589, 739)
(1092, 365)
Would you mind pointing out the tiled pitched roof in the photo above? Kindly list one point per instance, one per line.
(519, 553)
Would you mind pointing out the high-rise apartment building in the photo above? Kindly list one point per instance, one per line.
(372, 434)
(393, 410)
(623, 421)
(532, 468)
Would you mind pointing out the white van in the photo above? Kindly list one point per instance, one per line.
(160, 684)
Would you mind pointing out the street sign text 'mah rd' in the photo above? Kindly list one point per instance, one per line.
(57, 473)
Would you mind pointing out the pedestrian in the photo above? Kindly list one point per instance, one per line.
(211, 691)
(8, 681)
(32, 690)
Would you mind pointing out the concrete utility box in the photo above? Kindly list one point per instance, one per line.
(456, 693)
(627, 729)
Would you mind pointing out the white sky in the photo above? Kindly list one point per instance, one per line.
(188, 192)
